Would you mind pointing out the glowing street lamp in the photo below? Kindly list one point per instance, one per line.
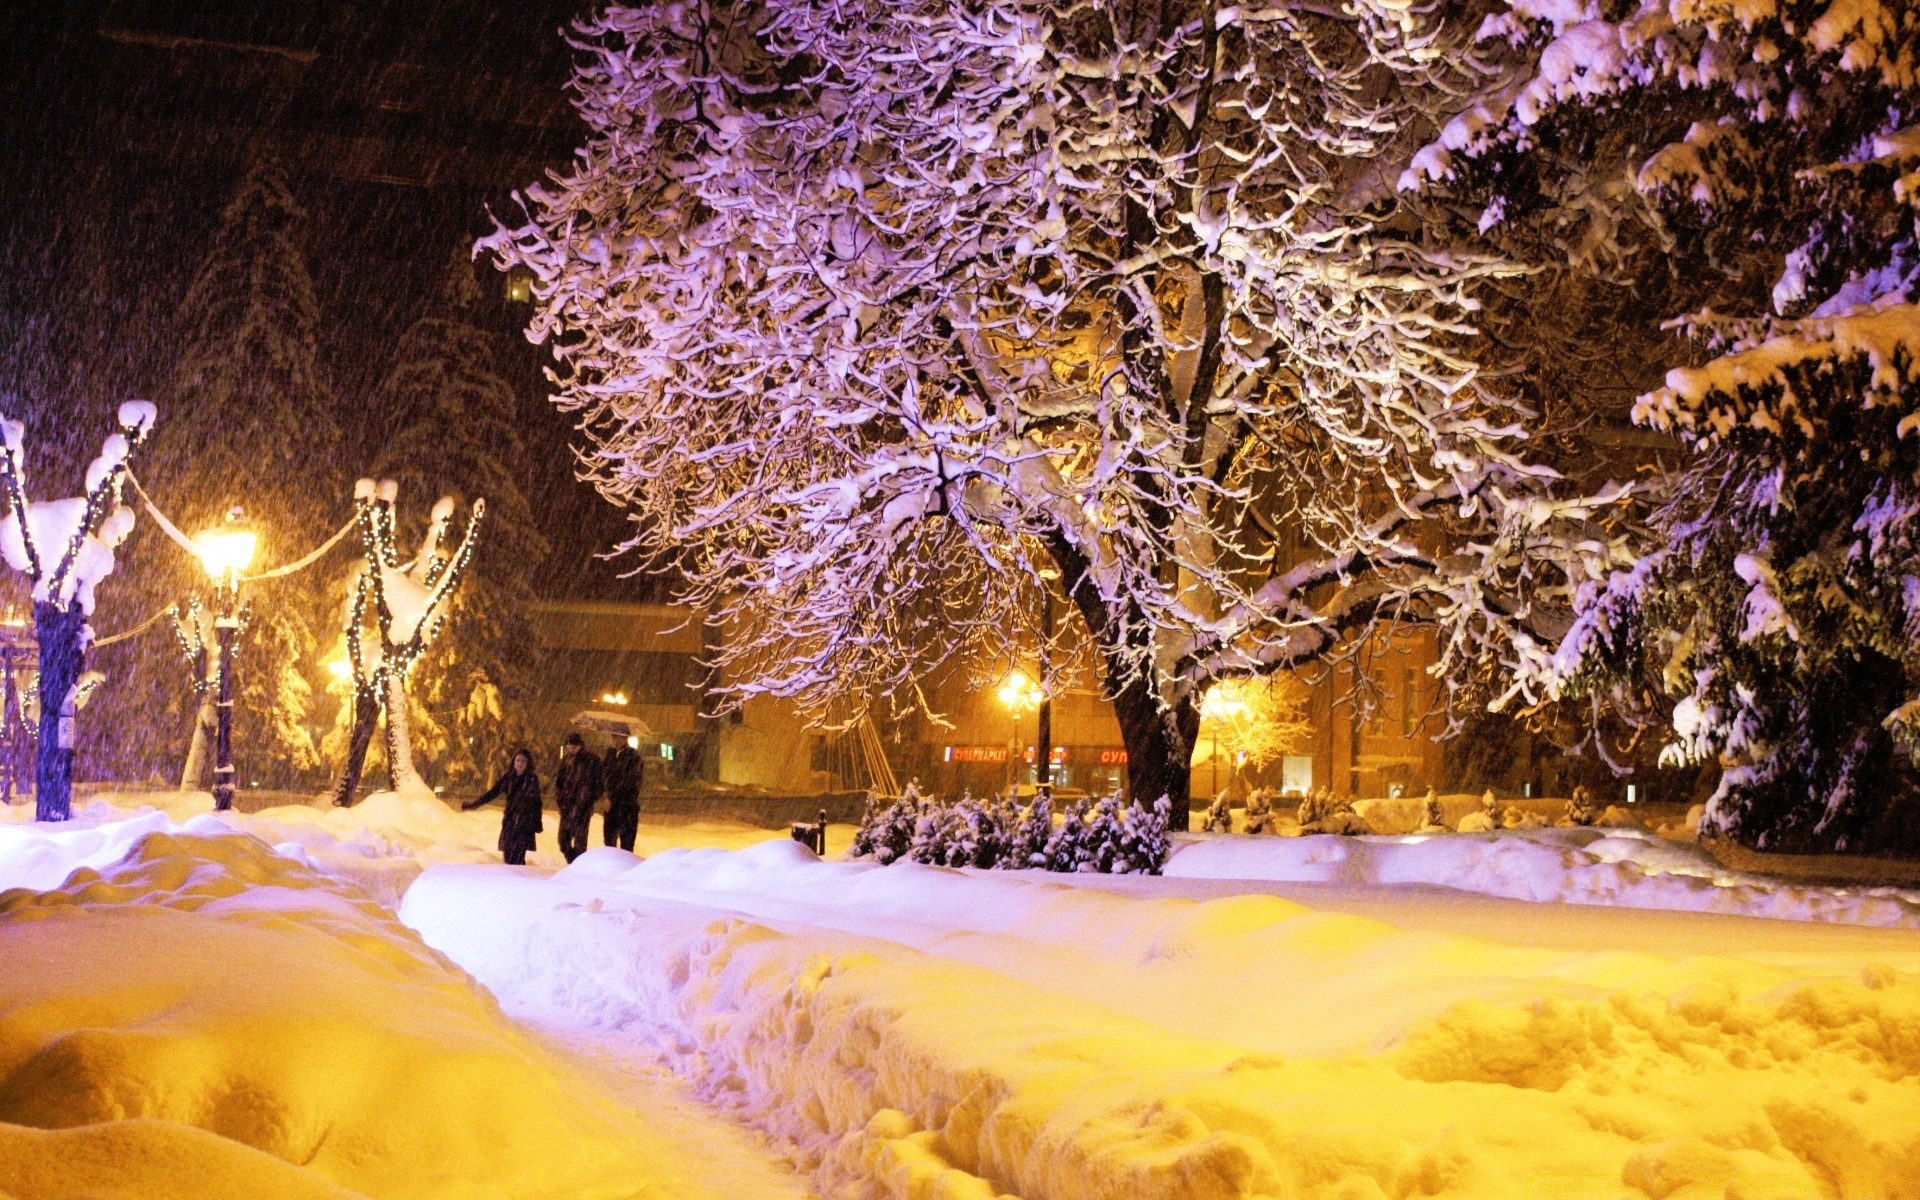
(1223, 702)
(225, 552)
(1021, 695)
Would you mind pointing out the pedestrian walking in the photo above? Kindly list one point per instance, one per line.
(576, 789)
(623, 771)
(520, 824)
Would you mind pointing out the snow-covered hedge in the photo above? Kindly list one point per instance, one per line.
(1107, 835)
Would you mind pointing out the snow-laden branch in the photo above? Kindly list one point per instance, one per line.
(878, 315)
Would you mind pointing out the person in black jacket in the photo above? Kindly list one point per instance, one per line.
(623, 772)
(521, 822)
(576, 789)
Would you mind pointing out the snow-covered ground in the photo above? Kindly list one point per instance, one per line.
(1315, 1017)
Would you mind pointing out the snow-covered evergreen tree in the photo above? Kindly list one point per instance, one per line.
(251, 423)
(448, 423)
(1750, 172)
(977, 295)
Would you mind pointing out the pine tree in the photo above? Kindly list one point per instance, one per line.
(251, 423)
(451, 429)
(1748, 174)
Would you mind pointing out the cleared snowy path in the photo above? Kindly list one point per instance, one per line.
(704, 1154)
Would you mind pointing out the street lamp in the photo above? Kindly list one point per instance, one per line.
(1021, 695)
(225, 552)
(1222, 702)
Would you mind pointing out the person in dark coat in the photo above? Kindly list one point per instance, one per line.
(521, 822)
(576, 789)
(623, 772)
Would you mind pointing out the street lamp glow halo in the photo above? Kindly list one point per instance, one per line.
(226, 552)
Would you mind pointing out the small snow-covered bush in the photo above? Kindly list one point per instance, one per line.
(1219, 818)
(1262, 816)
(1322, 812)
(1105, 836)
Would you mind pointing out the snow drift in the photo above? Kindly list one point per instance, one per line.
(922, 1032)
(198, 1015)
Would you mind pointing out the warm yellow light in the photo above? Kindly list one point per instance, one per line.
(1019, 692)
(339, 667)
(1223, 702)
(225, 551)
(613, 697)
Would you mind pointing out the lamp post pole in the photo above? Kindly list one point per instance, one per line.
(1043, 765)
(225, 552)
(226, 627)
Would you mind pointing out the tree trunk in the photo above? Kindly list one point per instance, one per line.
(366, 713)
(1159, 738)
(399, 741)
(61, 662)
(195, 768)
(1159, 748)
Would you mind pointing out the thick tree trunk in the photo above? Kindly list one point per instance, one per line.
(1159, 748)
(61, 662)
(366, 714)
(1159, 738)
(399, 738)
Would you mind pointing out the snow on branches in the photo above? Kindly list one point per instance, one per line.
(1749, 170)
(404, 600)
(65, 547)
(877, 315)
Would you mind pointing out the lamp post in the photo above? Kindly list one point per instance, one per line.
(1020, 695)
(225, 552)
(1221, 703)
(1043, 766)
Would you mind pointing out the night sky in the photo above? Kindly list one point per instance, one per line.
(127, 123)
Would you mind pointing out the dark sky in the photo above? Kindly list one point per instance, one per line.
(124, 125)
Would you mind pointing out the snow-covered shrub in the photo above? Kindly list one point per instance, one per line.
(1748, 174)
(1032, 833)
(887, 827)
(1219, 818)
(1580, 810)
(1323, 812)
(1067, 847)
(1104, 835)
(1432, 819)
(1486, 820)
(1262, 814)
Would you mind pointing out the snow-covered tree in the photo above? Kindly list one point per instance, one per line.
(251, 423)
(450, 425)
(65, 548)
(1750, 172)
(1254, 722)
(879, 314)
(196, 633)
(395, 608)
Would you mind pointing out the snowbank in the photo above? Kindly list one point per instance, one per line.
(1622, 867)
(381, 843)
(205, 1017)
(921, 1032)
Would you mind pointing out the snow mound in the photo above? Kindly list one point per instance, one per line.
(207, 1011)
(1620, 867)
